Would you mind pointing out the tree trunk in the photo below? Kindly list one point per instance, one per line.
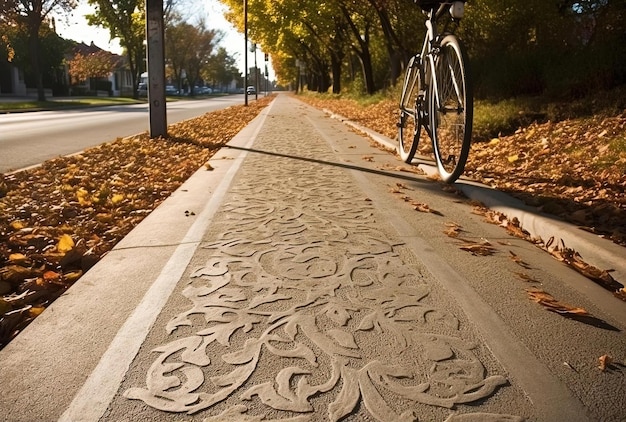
(362, 51)
(368, 72)
(33, 44)
(392, 43)
(336, 70)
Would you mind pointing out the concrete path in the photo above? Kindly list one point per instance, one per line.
(289, 284)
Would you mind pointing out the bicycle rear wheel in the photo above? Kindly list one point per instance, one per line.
(452, 109)
(409, 124)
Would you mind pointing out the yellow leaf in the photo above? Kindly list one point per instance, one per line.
(17, 258)
(17, 225)
(66, 243)
(117, 198)
(494, 141)
(513, 158)
(72, 276)
(81, 196)
(35, 311)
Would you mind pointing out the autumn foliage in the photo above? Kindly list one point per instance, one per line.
(95, 65)
(59, 219)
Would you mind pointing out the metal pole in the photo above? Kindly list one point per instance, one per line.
(256, 76)
(245, 51)
(155, 54)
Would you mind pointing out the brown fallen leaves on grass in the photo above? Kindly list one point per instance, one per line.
(58, 220)
(575, 168)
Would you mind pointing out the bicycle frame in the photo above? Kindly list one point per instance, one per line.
(430, 49)
(434, 95)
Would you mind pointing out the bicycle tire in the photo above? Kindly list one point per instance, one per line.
(409, 123)
(451, 109)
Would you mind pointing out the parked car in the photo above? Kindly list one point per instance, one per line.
(251, 90)
(142, 90)
(202, 90)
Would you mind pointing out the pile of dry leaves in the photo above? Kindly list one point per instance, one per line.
(575, 169)
(58, 220)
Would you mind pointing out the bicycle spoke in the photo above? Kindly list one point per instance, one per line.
(409, 122)
(452, 116)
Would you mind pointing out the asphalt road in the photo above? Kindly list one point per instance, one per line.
(28, 139)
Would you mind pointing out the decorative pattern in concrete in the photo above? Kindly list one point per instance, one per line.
(305, 306)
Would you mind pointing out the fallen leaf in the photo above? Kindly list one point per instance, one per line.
(17, 225)
(453, 229)
(551, 304)
(65, 243)
(527, 278)
(518, 260)
(117, 198)
(620, 294)
(605, 361)
(483, 249)
(35, 311)
(18, 258)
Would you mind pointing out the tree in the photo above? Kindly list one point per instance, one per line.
(30, 15)
(15, 50)
(188, 50)
(516, 47)
(125, 19)
(359, 18)
(203, 42)
(94, 65)
(402, 26)
(221, 69)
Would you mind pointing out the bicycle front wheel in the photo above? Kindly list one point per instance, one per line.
(409, 124)
(452, 109)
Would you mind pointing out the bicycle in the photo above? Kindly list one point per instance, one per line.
(437, 94)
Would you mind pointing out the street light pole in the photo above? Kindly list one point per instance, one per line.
(256, 75)
(156, 67)
(245, 50)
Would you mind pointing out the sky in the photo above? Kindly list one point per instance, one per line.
(75, 27)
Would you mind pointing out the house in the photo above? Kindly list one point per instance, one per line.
(12, 80)
(118, 83)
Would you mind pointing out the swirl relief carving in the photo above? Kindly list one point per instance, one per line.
(308, 312)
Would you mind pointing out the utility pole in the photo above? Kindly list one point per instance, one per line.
(156, 67)
(256, 74)
(245, 51)
(266, 74)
